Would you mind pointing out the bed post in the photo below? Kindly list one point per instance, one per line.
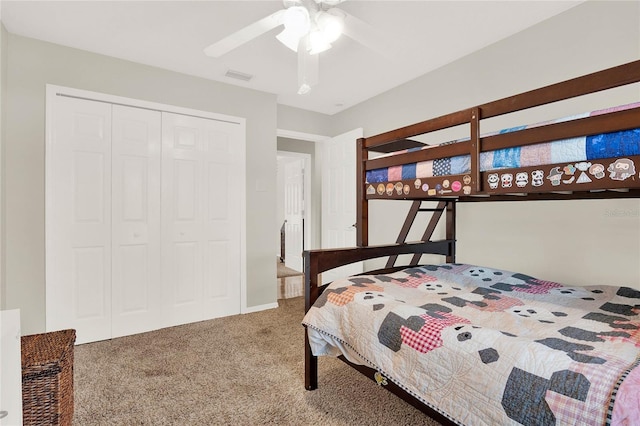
(311, 293)
(362, 208)
(451, 230)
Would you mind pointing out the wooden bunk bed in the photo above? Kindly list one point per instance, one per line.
(485, 170)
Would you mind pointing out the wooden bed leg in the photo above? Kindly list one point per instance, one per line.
(310, 366)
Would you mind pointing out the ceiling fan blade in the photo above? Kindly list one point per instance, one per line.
(244, 35)
(369, 37)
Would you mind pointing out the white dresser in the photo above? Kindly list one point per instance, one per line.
(10, 369)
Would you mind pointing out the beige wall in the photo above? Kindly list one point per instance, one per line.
(32, 64)
(3, 90)
(589, 242)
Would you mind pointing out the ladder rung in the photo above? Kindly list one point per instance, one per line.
(431, 210)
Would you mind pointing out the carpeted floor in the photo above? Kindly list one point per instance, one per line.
(240, 370)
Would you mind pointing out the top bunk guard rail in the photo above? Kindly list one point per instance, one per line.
(584, 85)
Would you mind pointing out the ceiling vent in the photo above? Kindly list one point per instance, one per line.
(238, 75)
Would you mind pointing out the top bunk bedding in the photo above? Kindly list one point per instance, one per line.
(589, 152)
(584, 148)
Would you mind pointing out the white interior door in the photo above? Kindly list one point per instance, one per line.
(339, 198)
(200, 215)
(294, 212)
(136, 148)
(78, 228)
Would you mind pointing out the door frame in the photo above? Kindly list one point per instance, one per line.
(54, 90)
(307, 216)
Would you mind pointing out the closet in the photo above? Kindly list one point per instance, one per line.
(143, 219)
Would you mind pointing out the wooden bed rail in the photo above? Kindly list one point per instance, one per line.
(591, 83)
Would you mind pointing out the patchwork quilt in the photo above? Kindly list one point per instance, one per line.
(606, 145)
(487, 346)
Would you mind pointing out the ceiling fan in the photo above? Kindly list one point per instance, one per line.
(310, 26)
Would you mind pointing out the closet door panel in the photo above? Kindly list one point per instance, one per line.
(182, 218)
(223, 158)
(136, 279)
(78, 220)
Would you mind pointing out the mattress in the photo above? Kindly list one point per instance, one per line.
(486, 346)
(581, 149)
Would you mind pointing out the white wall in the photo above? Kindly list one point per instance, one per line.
(574, 242)
(30, 65)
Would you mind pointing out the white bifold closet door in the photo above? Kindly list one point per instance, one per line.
(78, 219)
(201, 218)
(143, 220)
(135, 220)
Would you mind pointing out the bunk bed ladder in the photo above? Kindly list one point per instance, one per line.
(416, 207)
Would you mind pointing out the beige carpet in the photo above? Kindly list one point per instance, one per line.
(240, 370)
(282, 271)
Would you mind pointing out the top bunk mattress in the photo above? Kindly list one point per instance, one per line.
(575, 150)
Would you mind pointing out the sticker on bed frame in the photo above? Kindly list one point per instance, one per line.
(466, 180)
(425, 187)
(621, 169)
(597, 170)
(506, 179)
(371, 190)
(445, 183)
(380, 379)
(390, 187)
(406, 189)
(380, 188)
(493, 180)
(583, 178)
(522, 179)
(456, 186)
(569, 169)
(399, 188)
(417, 183)
(537, 178)
(555, 175)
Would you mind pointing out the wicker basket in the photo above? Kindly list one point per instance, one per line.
(47, 378)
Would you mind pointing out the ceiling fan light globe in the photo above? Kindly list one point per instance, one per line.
(331, 23)
(318, 43)
(296, 20)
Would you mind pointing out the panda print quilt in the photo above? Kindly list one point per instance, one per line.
(487, 346)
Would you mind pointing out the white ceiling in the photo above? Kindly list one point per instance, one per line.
(423, 35)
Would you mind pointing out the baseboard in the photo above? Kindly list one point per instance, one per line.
(251, 309)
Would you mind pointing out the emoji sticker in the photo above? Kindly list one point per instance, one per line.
(466, 189)
(417, 183)
(380, 188)
(445, 183)
(456, 186)
(466, 179)
(406, 189)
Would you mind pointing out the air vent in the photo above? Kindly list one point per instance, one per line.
(238, 75)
